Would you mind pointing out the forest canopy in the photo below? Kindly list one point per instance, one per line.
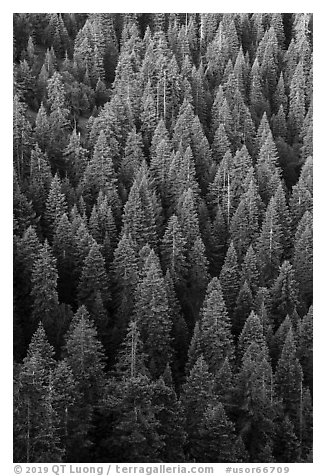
(162, 237)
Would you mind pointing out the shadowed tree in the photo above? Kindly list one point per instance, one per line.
(85, 356)
(288, 380)
(215, 338)
(153, 316)
(36, 422)
(196, 397)
(229, 278)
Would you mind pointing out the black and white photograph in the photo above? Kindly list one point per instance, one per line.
(162, 237)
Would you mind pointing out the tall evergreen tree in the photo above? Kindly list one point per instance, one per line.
(249, 270)
(93, 279)
(35, 419)
(64, 251)
(215, 336)
(56, 206)
(125, 279)
(288, 380)
(58, 117)
(252, 332)
(134, 430)
(302, 260)
(171, 418)
(188, 217)
(243, 307)
(21, 137)
(44, 289)
(173, 251)
(305, 346)
(283, 293)
(42, 128)
(198, 276)
(196, 396)
(100, 175)
(297, 102)
(244, 226)
(270, 243)
(229, 278)
(85, 357)
(131, 359)
(139, 212)
(40, 179)
(300, 200)
(75, 157)
(256, 396)
(217, 433)
(133, 157)
(268, 173)
(153, 316)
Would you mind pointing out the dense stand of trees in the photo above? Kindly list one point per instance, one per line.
(162, 237)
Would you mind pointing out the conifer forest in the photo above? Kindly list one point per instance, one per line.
(162, 241)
